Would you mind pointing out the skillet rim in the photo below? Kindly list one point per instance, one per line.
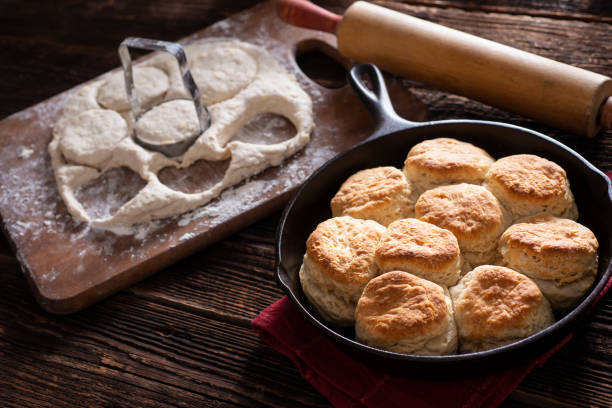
(560, 326)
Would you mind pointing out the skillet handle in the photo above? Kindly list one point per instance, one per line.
(377, 101)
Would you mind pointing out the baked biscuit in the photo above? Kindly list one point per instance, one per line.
(495, 306)
(526, 185)
(381, 194)
(420, 248)
(338, 263)
(471, 213)
(443, 161)
(403, 313)
(559, 255)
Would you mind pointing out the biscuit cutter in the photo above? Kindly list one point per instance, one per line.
(170, 149)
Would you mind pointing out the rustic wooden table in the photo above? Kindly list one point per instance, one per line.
(183, 337)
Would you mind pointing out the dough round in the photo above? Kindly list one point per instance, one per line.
(420, 248)
(558, 254)
(381, 194)
(220, 71)
(91, 136)
(443, 161)
(526, 184)
(339, 262)
(495, 306)
(169, 122)
(150, 85)
(471, 213)
(403, 313)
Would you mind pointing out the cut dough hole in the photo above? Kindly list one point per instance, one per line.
(200, 176)
(104, 195)
(150, 86)
(91, 136)
(168, 122)
(266, 128)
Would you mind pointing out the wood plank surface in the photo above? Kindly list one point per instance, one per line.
(584, 44)
(182, 337)
(584, 10)
(61, 257)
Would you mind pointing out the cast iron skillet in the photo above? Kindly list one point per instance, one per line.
(388, 145)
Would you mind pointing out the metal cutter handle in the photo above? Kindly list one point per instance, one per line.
(178, 52)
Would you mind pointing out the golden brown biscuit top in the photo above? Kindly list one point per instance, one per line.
(447, 156)
(544, 234)
(369, 188)
(398, 305)
(529, 176)
(464, 209)
(418, 242)
(343, 247)
(496, 298)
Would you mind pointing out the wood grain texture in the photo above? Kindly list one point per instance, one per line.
(558, 94)
(585, 10)
(547, 37)
(143, 351)
(61, 256)
(73, 41)
(184, 335)
(181, 338)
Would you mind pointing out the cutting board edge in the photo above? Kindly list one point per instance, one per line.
(75, 302)
(72, 303)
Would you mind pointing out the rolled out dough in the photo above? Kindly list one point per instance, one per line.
(238, 81)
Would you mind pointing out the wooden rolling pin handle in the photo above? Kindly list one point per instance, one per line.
(605, 119)
(557, 94)
(302, 13)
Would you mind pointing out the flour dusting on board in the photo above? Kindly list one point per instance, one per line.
(187, 236)
(44, 114)
(25, 153)
(50, 276)
(66, 259)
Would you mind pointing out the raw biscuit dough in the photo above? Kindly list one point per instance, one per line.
(91, 136)
(219, 80)
(168, 122)
(150, 85)
(238, 82)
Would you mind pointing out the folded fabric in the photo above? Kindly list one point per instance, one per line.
(349, 383)
(346, 382)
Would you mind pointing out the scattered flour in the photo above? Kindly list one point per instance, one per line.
(25, 153)
(187, 236)
(35, 214)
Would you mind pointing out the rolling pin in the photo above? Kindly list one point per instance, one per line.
(554, 93)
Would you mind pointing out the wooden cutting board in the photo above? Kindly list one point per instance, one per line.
(69, 265)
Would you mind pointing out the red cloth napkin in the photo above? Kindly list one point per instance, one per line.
(348, 383)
